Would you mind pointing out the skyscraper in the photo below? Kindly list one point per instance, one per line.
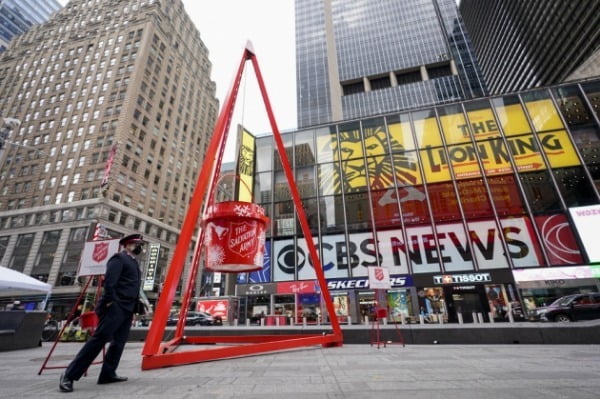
(360, 58)
(526, 44)
(116, 103)
(18, 16)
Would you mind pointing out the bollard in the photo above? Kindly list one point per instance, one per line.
(247, 322)
(441, 318)
(460, 318)
(475, 320)
(304, 321)
(290, 321)
(511, 318)
(402, 319)
(480, 317)
(235, 322)
(277, 321)
(421, 319)
(385, 321)
(349, 319)
(262, 321)
(491, 316)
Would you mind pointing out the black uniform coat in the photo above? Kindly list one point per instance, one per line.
(115, 311)
(121, 282)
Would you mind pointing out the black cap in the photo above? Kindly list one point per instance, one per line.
(131, 239)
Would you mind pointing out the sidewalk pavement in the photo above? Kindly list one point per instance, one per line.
(350, 371)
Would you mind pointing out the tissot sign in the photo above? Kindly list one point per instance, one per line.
(467, 278)
(456, 248)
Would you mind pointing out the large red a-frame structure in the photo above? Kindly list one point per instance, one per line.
(163, 354)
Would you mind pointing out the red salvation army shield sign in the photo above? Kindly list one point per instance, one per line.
(379, 278)
(95, 256)
(234, 237)
(242, 239)
(100, 252)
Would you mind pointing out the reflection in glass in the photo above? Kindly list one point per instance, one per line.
(506, 195)
(287, 144)
(329, 179)
(444, 203)
(304, 148)
(592, 92)
(312, 216)
(262, 187)
(413, 204)
(282, 187)
(575, 186)
(582, 124)
(305, 180)
(385, 208)
(264, 154)
(540, 192)
(358, 212)
(283, 219)
(454, 124)
(327, 147)
(481, 120)
(542, 111)
(572, 106)
(426, 129)
(474, 199)
(400, 135)
(331, 214)
(511, 115)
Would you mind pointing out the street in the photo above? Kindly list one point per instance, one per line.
(351, 371)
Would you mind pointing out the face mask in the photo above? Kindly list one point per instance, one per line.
(137, 250)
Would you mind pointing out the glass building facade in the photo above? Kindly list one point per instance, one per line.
(525, 44)
(455, 200)
(357, 59)
(18, 16)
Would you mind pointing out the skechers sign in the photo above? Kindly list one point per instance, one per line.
(353, 283)
(455, 248)
(469, 278)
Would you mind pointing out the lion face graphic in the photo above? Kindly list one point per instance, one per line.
(356, 159)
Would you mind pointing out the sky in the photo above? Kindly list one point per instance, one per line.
(225, 27)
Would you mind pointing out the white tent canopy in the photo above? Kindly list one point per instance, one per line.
(14, 281)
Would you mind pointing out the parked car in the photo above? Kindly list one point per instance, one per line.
(193, 319)
(570, 308)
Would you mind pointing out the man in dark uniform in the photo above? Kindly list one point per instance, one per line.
(115, 311)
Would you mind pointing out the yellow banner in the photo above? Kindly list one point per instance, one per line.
(245, 165)
(495, 156)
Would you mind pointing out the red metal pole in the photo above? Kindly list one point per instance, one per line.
(62, 330)
(156, 330)
(296, 197)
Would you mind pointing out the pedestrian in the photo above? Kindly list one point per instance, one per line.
(115, 312)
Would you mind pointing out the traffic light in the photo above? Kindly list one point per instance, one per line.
(7, 125)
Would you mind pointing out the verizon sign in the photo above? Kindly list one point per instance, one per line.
(95, 256)
(587, 220)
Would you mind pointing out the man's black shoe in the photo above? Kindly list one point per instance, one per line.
(111, 379)
(65, 384)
